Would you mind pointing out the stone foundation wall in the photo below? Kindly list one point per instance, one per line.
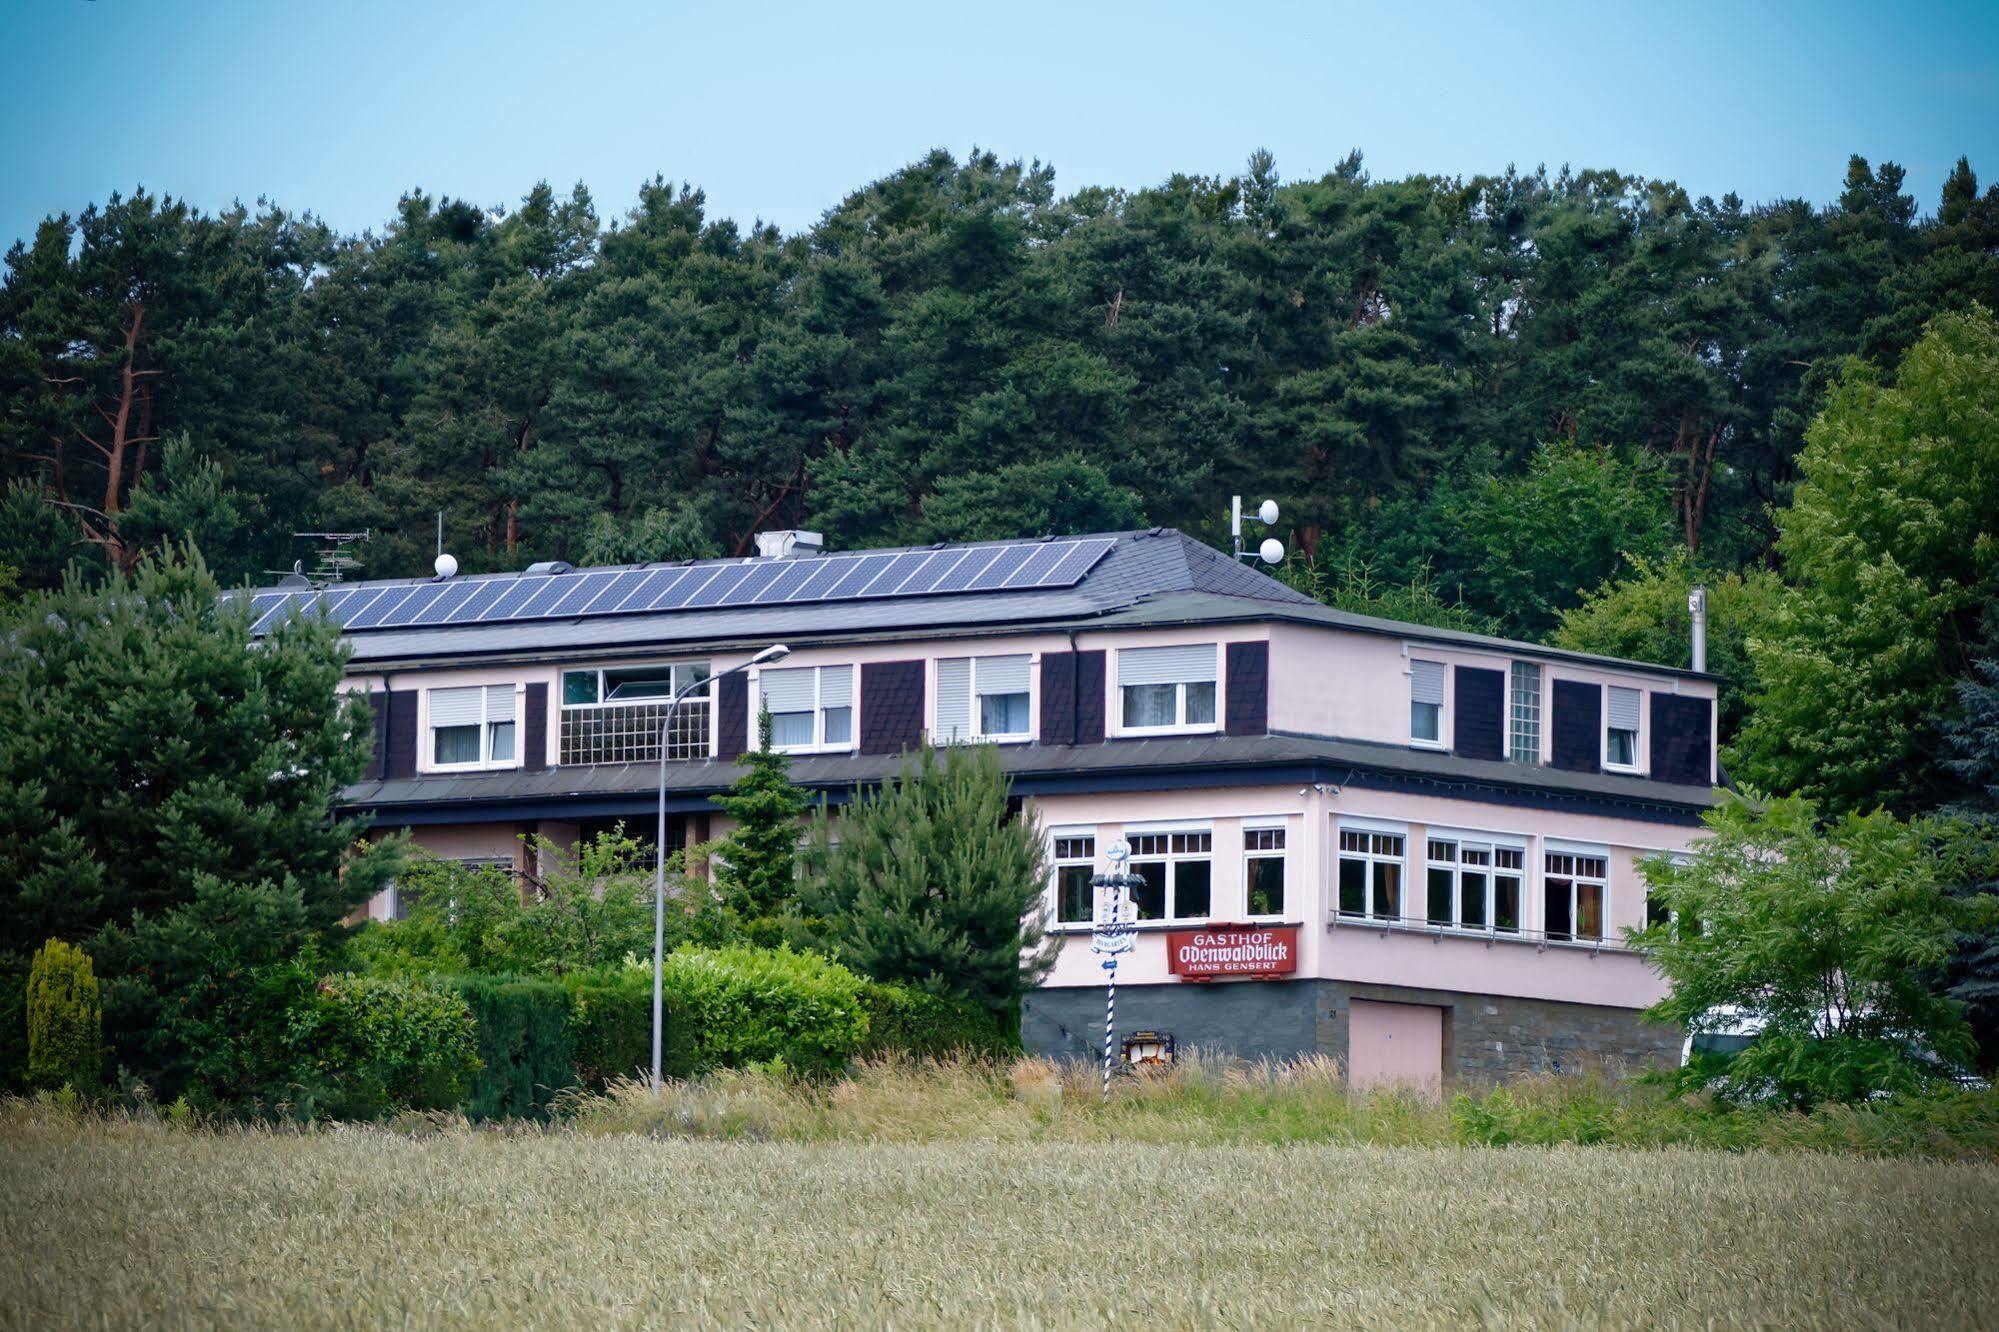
(1486, 1037)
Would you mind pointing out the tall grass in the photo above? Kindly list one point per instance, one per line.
(1213, 1102)
(125, 1221)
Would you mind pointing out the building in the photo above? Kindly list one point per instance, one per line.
(1411, 848)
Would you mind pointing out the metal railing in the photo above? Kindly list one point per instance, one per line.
(629, 732)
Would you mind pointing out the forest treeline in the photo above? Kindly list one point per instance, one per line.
(958, 350)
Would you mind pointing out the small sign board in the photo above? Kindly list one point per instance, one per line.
(1232, 950)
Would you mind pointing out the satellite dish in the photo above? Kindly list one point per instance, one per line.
(1272, 550)
(1267, 511)
(446, 566)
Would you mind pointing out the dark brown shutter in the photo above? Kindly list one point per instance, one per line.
(378, 741)
(732, 717)
(1682, 751)
(1072, 698)
(1478, 712)
(1247, 710)
(399, 750)
(891, 706)
(1577, 726)
(534, 728)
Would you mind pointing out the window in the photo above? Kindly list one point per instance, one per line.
(1523, 735)
(472, 726)
(1176, 875)
(1370, 874)
(1166, 688)
(1263, 871)
(1474, 885)
(614, 715)
(810, 707)
(1426, 702)
(633, 684)
(1575, 887)
(983, 698)
(1620, 728)
(1075, 866)
(404, 895)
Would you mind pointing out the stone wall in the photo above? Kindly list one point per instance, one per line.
(1486, 1037)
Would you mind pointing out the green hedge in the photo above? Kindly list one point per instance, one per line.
(753, 1005)
(524, 1044)
(610, 1030)
(912, 1022)
(362, 1046)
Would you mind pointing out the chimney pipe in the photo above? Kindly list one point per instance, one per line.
(1697, 607)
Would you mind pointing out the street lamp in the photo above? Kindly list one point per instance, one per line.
(775, 652)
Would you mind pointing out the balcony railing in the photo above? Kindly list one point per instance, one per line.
(629, 732)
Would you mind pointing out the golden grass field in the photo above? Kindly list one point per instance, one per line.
(122, 1223)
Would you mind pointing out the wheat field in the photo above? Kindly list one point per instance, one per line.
(126, 1224)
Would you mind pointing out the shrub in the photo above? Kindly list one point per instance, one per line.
(610, 1032)
(367, 1045)
(524, 1046)
(752, 1005)
(912, 1022)
(65, 1019)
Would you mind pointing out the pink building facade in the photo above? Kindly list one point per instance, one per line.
(1441, 833)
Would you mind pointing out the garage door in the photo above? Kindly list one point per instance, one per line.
(1395, 1045)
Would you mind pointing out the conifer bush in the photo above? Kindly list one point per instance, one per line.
(65, 1019)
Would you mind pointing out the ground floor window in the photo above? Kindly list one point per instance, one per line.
(1075, 866)
(1575, 887)
(1263, 871)
(1371, 874)
(1474, 885)
(1176, 872)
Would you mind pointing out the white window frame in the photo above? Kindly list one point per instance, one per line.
(1637, 763)
(1549, 851)
(1540, 718)
(1180, 725)
(1371, 857)
(1443, 707)
(975, 718)
(427, 759)
(1281, 854)
(818, 744)
(1173, 860)
(1058, 862)
(1491, 844)
(672, 668)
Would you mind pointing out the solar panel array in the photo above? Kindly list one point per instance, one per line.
(724, 585)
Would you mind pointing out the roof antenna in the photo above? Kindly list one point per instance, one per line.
(1272, 550)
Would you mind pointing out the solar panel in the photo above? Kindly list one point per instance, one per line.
(1019, 566)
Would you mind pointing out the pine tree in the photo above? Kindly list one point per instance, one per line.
(932, 881)
(758, 876)
(166, 794)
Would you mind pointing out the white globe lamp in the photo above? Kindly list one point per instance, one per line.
(446, 566)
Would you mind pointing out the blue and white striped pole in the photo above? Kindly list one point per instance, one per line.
(1110, 935)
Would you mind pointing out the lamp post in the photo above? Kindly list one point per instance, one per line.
(775, 652)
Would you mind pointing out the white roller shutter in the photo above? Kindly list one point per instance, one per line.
(456, 707)
(1190, 664)
(1426, 682)
(1002, 675)
(786, 691)
(499, 703)
(1622, 710)
(836, 686)
(954, 700)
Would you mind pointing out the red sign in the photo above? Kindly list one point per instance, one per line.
(1232, 950)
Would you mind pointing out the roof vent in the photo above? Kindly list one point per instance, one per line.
(790, 543)
(547, 567)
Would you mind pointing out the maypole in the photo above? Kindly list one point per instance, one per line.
(1110, 935)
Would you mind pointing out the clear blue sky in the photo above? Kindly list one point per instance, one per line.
(777, 110)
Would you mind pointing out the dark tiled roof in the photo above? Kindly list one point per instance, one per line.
(1036, 766)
